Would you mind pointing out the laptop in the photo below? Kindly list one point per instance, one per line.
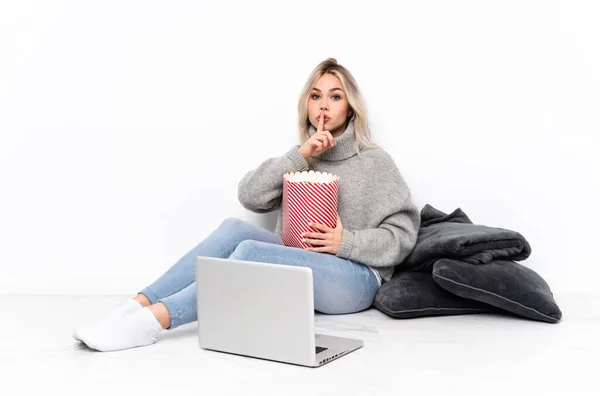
(262, 310)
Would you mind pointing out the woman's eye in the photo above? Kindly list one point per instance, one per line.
(334, 96)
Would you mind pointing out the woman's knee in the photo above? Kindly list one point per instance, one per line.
(233, 222)
(235, 226)
(244, 250)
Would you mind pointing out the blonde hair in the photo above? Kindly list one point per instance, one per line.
(362, 133)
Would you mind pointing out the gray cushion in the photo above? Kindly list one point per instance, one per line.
(502, 283)
(414, 294)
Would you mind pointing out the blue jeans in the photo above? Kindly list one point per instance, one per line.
(340, 286)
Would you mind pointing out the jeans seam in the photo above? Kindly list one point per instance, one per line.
(178, 315)
(364, 296)
(255, 256)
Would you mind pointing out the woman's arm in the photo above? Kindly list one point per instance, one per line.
(260, 190)
(388, 244)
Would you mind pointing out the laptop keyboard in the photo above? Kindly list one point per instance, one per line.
(320, 349)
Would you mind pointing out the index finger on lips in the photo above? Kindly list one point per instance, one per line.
(322, 117)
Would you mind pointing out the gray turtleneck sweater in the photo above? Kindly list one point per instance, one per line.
(380, 220)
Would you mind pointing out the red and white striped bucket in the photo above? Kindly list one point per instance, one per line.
(308, 197)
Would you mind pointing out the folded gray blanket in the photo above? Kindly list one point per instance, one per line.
(454, 235)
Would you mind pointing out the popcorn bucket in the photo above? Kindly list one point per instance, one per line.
(308, 197)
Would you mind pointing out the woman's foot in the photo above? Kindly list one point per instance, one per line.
(139, 328)
(161, 313)
(123, 310)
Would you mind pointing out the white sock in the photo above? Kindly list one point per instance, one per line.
(139, 328)
(130, 306)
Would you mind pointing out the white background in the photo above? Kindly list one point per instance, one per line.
(126, 126)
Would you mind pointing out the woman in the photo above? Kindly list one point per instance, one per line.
(376, 229)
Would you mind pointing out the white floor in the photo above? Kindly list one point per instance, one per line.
(451, 355)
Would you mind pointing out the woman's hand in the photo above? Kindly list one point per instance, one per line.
(319, 142)
(328, 241)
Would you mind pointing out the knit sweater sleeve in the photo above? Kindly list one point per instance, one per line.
(396, 236)
(260, 190)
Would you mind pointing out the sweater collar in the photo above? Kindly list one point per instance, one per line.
(344, 147)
